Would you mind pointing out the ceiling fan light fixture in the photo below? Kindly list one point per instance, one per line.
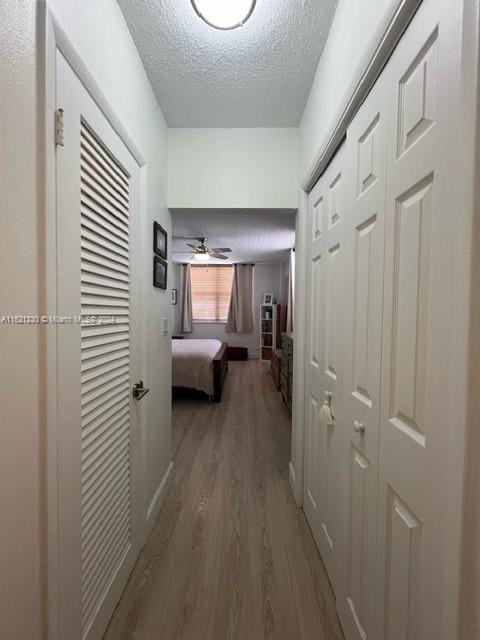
(201, 257)
(224, 14)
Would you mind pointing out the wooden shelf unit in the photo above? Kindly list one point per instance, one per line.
(270, 337)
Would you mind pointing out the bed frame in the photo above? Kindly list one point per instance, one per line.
(220, 370)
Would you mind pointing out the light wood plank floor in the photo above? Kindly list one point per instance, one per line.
(231, 556)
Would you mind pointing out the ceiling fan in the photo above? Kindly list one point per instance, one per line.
(202, 253)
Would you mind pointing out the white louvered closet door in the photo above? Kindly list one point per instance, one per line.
(99, 527)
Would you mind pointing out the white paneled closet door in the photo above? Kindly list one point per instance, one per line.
(98, 442)
(363, 301)
(324, 375)
(418, 541)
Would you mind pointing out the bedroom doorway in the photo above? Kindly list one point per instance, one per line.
(233, 288)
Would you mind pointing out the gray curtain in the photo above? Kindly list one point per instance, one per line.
(291, 285)
(240, 313)
(186, 295)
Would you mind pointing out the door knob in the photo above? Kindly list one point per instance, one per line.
(139, 391)
(359, 426)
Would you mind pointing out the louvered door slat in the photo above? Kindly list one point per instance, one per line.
(98, 470)
(116, 171)
(105, 162)
(98, 426)
(95, 530)
(104, 231)
(100, 385)
(104, 475)
(112, 556)
(96, 276)
(105, 367)
(95, 253)
(99, 177)
(101, 173)
(90, 340)
(103, 242)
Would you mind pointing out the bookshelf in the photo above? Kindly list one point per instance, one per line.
(269, 330)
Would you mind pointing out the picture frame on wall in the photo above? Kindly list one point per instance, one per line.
(174, 296)
(160, 268)
(268, 298)
(160, 240)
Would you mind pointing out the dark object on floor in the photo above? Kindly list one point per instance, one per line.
(237, 353)
(178, 337)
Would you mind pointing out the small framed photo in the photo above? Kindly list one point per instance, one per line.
(174, 296)
(268, 298)
(159, 273)
(160, 238)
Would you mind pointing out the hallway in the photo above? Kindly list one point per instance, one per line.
(230, 556)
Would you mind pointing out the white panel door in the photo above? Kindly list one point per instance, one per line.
(324, 365)
(98, 445)
(363, 294)
(417, 591)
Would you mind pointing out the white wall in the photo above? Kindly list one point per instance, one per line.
(233, 168)
(116, 66)
(351, 39)
(267, 278)
(21, 438)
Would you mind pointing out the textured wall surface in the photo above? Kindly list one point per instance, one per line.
(20, 346)
(256, 76)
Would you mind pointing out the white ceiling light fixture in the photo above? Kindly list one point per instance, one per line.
(224, 14)
(201, 257)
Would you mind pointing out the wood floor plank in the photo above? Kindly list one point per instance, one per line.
(231, 556)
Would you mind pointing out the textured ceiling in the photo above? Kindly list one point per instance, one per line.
(258, 236)
(256, 76)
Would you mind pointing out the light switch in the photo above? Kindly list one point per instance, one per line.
(164, 326)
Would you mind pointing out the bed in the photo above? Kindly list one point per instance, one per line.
(200, 364)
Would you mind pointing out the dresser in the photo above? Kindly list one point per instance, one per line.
(276, 368)
(286, 369)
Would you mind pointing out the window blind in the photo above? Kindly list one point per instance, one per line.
(211, 289)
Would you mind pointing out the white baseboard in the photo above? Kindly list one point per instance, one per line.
(293, 484)
(291, 474)
(157, 500)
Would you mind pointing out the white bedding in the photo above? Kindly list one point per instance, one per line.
(192, 363)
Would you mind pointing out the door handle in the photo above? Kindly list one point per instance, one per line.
(139, 391)
(326, 415)
(359, 426)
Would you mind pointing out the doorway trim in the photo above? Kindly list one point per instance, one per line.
(51, 38)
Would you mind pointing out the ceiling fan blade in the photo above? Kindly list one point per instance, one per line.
(221, 250)
(183, 237)
(219, 256)
(192, 245)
